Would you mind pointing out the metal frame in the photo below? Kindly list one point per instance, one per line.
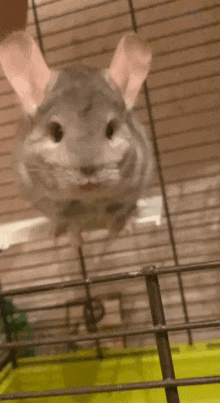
(162, 185)
(160, 329)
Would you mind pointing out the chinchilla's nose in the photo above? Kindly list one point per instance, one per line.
(89, 170)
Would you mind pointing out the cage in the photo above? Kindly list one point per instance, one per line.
(137, 320)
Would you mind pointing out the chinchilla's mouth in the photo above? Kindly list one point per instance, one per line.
(89, 186)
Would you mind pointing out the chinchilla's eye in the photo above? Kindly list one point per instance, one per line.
(110, 129)
(56, 131)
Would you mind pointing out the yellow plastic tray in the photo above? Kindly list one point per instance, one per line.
(83, 369)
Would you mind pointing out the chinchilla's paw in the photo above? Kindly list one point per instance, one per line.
(115, 226)
(76, 236)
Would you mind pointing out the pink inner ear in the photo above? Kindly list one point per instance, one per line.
(25, 68)
(130, 66)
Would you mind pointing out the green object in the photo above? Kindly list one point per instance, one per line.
(44, 373)
(18, 326)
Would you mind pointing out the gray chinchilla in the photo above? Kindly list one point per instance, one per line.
(82, 158)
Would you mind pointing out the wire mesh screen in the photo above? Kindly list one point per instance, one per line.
(179, 106)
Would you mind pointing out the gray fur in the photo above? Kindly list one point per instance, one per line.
(49, 175)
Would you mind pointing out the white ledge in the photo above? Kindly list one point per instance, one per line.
(148, 210)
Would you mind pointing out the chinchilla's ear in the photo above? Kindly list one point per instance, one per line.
(130, 66)
(25, 69)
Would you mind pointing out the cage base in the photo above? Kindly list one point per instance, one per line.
(119, 367)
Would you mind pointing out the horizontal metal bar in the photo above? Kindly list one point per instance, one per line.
(150, 39)
(9, 122)
(188, 47)
(185, 64)
(194, 95)
(154, 88)
(138, 108)
(109, 51)
(102, 336)
(186, 268)
(112, 388)
(112, 277)
(190, 147)
(138, 10)
(184, 81)
(78, 10)
(118, 31)
(171, 34)
(58, 306)
(53, 33)
(185, 131)
(81, 25)
(196, 11)
(154, 5)
(190, 162)
(183, 115)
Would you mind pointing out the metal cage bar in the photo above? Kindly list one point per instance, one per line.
(163, 345)
(113, 388)
(112, 277)
(163, 188)
(159, 328)
(12, 353)
(92, 325)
